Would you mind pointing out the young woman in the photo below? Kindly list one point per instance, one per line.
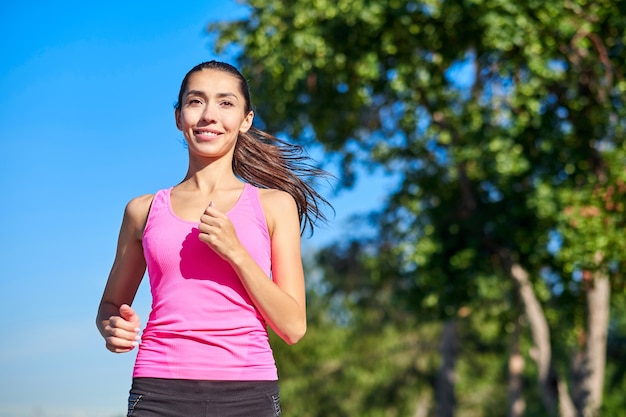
(222, 250)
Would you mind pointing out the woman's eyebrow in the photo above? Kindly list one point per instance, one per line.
(196, 93)
(231, 95)
(218, 95)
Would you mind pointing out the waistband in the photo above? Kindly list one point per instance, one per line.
(203, 389)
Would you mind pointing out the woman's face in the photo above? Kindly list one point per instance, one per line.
(212, 113)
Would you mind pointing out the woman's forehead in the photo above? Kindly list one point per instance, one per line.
(213, 79)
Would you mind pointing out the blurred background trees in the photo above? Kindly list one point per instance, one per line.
(493, 283)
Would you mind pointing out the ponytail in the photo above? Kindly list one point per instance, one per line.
(268, 162)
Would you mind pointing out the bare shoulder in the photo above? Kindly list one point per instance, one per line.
(278, 204)
(274, 197)
(136, 211)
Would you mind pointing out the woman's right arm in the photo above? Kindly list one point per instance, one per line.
(116, 321)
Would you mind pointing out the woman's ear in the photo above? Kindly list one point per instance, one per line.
(247, 122)
(177, 117)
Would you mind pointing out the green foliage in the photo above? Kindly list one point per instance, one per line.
(616, 351)
(353, 370)
(386, 367)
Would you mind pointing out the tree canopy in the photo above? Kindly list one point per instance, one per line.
(504, 121)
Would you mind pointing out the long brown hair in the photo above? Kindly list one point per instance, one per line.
(265, 161)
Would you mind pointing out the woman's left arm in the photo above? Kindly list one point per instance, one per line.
(282, 300)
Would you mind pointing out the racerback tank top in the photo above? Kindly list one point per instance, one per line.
(203, 325)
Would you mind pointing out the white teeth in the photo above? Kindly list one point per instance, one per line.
(207, 133)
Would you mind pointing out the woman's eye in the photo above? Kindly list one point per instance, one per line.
(194, 101)
(227, 104)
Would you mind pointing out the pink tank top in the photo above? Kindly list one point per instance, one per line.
(203, 325)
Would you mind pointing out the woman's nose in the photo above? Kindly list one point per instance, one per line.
(208, 115)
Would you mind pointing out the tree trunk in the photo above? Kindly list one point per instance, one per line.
(554, 395)
(566, 405)
(542, 350)
(517, 405)
(444, 389)
(598, 301)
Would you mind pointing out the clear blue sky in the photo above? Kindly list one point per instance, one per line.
(86, 123)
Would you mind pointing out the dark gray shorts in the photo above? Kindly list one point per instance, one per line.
(155, 397)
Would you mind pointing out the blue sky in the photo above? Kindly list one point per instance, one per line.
(86, 123)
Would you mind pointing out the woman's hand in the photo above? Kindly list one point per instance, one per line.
(218, 232)
(122, 332)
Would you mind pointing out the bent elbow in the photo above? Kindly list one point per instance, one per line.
(294, 335)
